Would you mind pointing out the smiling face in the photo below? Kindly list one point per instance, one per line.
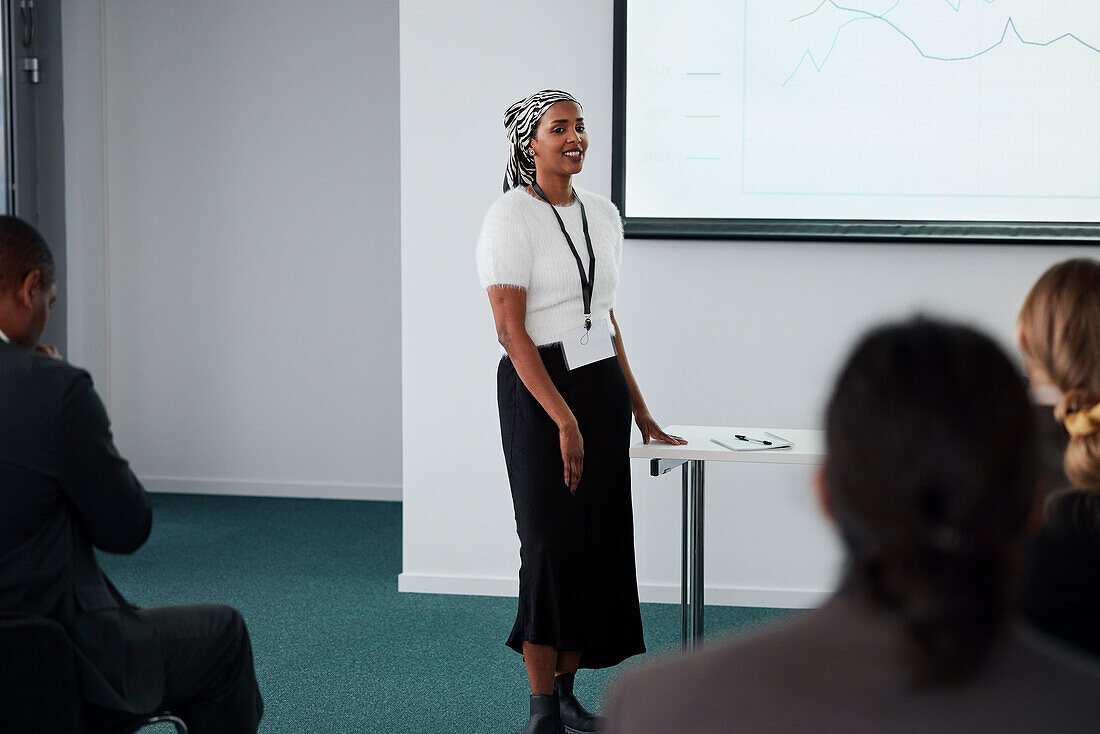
(560, 141)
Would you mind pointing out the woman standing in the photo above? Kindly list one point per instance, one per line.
(1059, 335)
(549, 257)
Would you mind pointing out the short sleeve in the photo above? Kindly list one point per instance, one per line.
(504, 254)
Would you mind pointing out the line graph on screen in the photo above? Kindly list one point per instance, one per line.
(866, 15)
(965, 85)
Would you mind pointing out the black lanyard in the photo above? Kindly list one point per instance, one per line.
(586, 281)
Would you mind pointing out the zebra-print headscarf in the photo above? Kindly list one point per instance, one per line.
(520, 120)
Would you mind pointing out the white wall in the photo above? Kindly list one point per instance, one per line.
(85, 189)
(234, 209)
(717, 332)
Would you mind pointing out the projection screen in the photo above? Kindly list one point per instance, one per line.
(945, 120)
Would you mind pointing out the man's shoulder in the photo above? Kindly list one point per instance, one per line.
(25, 370)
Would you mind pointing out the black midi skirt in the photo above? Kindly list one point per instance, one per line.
(578, 586)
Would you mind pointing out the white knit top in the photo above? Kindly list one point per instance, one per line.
(521, 245)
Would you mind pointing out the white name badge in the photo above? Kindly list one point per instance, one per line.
(585, 346)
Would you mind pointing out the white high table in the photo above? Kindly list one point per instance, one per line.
(807, 447)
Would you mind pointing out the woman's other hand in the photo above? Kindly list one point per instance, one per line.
(572, 454)
(652, 430)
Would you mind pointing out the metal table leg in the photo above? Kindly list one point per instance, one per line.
(685, 552)
(691, 546)
(695, 556)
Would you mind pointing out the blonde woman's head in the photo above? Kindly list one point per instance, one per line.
(1059, 334)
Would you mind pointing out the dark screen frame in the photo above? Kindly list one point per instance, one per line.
(968, 232)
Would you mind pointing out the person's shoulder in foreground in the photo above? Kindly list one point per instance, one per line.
(1061, 589)
(837, 669)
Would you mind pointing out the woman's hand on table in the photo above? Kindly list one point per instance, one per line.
(651, 429)
(572, 454)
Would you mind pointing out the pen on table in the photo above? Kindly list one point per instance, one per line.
(742, 437)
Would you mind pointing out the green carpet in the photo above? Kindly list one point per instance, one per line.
(337, 648)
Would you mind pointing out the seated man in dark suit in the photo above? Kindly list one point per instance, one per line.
(64, 489)
(930, 479)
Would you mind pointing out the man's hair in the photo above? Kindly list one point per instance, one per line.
(22, 249)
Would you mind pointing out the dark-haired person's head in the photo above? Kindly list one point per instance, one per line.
(28, 281)
(930, 478)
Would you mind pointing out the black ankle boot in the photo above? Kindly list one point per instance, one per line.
(545, 718)
(573, 716)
